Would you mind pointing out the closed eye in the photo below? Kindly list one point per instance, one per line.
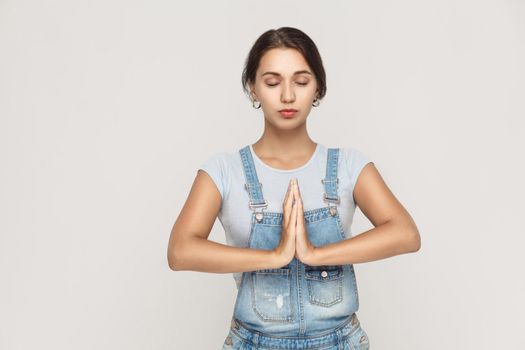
(302, 84)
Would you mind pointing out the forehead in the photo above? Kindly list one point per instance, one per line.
(282, 60)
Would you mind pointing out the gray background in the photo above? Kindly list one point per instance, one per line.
(108, 107)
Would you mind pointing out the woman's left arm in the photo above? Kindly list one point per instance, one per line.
(394, 231)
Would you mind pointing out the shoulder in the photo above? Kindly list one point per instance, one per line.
(352, 154)
(353, 160)
(218, 158)
(220, 166)
(222, 159)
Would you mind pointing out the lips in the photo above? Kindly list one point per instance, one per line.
(288, 112)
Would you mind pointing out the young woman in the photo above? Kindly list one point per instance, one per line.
(286, 204)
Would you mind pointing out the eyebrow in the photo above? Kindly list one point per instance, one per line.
(295, 73)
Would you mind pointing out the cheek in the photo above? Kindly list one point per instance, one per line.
(310, 90)
(270, 95)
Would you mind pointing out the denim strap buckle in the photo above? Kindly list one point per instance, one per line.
(330, 180)
(258, 205)
(331, 200)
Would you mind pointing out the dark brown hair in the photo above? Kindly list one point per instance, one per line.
(284, 37)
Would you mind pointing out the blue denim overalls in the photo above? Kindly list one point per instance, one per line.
(296, 306)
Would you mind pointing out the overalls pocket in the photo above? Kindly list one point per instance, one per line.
(271, 291)
(325, 284)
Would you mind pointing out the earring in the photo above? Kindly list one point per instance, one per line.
(253, 104)
(316, 102)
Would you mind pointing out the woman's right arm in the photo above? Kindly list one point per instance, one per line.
(190, 249)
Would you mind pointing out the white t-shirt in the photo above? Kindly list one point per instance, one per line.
(225, 168)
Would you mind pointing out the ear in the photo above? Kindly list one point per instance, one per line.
(253, 95)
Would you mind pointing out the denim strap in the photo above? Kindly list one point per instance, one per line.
(252, 185)
(331, 180)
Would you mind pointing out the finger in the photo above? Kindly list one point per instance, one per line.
(287, 204)
(295, 191)
(293, 219)
(287, 195)
(298, 193)
(293, 216)
(298, 203)
(299, 199)
(300, 213)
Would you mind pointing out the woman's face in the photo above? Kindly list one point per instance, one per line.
(284, 81)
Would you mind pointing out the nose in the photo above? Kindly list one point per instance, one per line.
(287, 94)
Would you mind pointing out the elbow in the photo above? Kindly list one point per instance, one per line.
(409, 238)
(174, 259)
(180, 254)
(172, 263)
(414, 241)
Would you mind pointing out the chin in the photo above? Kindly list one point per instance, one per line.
(286, 124)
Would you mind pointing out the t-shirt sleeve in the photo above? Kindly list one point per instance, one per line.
(355, 162)
(215, 167)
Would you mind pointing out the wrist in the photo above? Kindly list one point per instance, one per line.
(312, 258)
(278, 259)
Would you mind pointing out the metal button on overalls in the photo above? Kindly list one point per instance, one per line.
(324, 273)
